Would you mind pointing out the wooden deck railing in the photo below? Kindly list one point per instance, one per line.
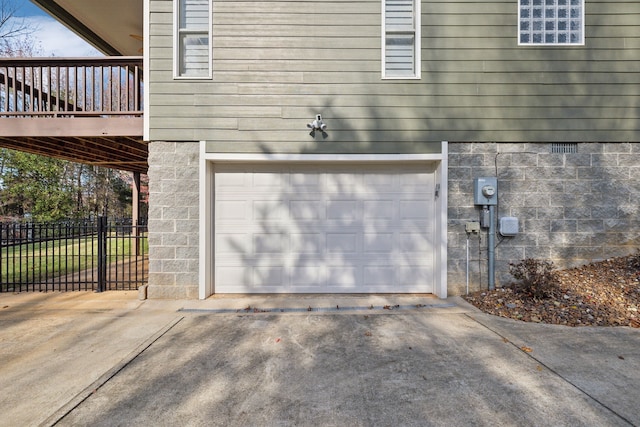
(63, 87)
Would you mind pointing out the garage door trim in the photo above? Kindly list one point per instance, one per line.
(207, 161)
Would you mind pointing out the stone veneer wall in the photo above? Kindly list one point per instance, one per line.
(573, 208)
(173, 219)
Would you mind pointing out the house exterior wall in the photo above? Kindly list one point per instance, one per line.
(572, 208)
(278, 64)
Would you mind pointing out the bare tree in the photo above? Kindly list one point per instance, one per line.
(10, 25)
(15, 32)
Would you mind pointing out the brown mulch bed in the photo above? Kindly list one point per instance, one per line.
(605, 293)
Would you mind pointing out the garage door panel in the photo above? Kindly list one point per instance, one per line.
(344, 184)
(415, 243)
(312, 228)
(344, 277)
(301, 179)
(233, 279)
(380, 182)
(255, 279)
(342, 243)
(379, 209)
(232, 210)
(308, 275)
(270, 181)
(269, 210)
(416, 180)
(401, 277)
(415, 209)
(268, 276)
(378, 243)
(233, 243)
(379, 276)
(344, 210)
(307, 243)
(269, 243)
(306, 209)
(265, 260)
(414, 275)
(230, 180)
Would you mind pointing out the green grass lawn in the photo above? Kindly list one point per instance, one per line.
(42, 261)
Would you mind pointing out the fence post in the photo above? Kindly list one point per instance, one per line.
(135, 212)
(102, 253)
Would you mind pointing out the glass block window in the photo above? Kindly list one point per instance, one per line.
(192, 49)
(401, 39)
(551, 22)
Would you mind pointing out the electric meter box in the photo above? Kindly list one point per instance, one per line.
(485, 191)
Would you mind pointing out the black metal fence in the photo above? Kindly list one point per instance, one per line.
(72, 256)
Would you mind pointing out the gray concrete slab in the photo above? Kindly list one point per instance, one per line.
(109, 359)
(54, 345)
(603, 362)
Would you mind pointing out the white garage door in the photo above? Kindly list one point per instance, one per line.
(313, 228)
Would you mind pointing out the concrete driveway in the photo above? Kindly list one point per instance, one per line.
(108, 359)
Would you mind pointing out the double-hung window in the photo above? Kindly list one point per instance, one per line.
(192, 40)
(551, 22)
(401, 39)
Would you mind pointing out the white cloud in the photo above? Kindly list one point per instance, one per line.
(56, 40)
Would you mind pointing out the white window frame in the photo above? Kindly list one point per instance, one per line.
(178, 32)
(415, 31)
(549, 16)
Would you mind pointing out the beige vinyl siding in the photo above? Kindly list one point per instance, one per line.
(276, 65)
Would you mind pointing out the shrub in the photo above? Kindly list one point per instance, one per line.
(634, 261)
(536, 277)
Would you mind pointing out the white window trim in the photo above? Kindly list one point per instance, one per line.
(176, 44)
(417, 34)
(581, 43)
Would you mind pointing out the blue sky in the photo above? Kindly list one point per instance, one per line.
(29, 9)
(52, 37)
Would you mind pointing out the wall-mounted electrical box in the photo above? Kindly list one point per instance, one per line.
(472, 227)
(485, 191)
(508, 226)
(485, 218)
